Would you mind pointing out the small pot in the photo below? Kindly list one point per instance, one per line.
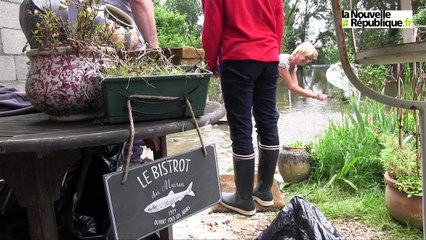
(294, 164)
(406, 210)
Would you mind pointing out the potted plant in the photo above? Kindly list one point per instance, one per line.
(401, 158)
(403, 177)
(62, 80)
(146, 85)
(294, 162)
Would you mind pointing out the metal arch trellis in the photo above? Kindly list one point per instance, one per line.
(400, 103)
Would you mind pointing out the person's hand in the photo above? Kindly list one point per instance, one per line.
(320, 96)
(216, 74)
(214, 70)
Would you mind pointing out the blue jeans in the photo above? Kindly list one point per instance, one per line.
(250, 87)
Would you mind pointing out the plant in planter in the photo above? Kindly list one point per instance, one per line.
(403, 177)
(62, 80)
(401, 155)
(154, 87)
(294, 162)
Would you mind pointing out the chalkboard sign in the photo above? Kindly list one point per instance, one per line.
(161, 193)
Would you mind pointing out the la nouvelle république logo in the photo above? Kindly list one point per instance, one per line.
(377, 19)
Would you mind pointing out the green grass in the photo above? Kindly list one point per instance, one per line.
(346, 181)
(365, 205)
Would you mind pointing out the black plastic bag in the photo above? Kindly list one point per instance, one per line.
(13, 218)
(82, 209)
(7, 199)
(300, 220)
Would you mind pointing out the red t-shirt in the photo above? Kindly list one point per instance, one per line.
(242, 30)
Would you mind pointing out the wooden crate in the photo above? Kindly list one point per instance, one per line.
(185, 55)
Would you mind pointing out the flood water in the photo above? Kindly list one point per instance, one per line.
(301, 119)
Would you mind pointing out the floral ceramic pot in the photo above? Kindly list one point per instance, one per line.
(65, 85)
(122, 27)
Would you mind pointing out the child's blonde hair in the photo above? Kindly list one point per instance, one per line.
(306, 49)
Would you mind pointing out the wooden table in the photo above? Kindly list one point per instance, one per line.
(35, 154)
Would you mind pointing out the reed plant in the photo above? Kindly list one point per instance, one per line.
(349, 152)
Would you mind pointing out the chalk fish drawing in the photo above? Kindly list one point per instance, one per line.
(169, 200)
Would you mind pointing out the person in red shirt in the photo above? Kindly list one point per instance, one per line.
(242, 42)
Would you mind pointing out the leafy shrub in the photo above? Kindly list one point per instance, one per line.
(348, 152)
(373, 76)
(330, 53)
(173, 30)
(359, 150)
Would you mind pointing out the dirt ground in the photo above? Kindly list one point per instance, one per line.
(211, 224)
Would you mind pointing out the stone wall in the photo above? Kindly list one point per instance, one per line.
(13, 63)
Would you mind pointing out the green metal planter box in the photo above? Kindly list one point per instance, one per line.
(155, 97)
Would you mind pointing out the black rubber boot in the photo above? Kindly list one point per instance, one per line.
(241, 201)
(262, 193)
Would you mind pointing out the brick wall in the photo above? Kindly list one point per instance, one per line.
(13, 63)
